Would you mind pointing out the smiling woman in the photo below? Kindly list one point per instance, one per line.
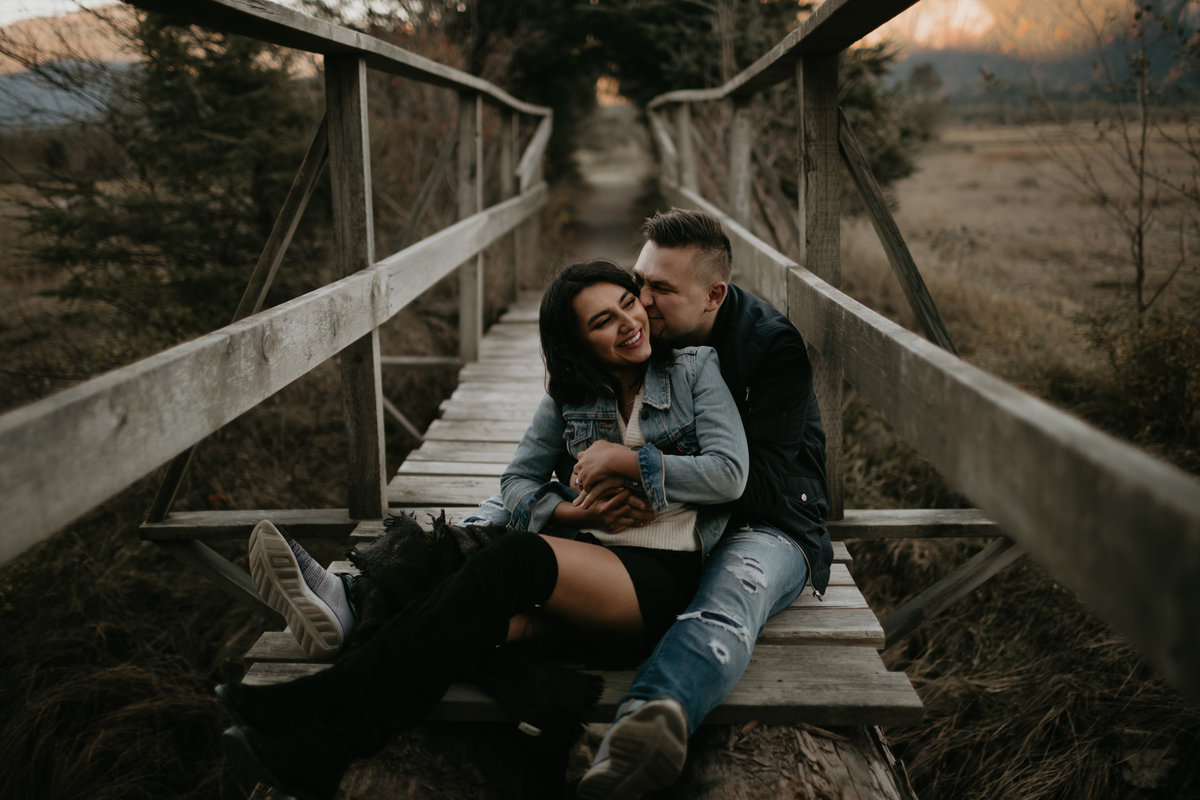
(638, 438)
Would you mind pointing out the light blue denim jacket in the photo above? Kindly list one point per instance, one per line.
(695, 449)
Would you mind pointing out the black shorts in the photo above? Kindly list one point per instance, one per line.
(665, 581)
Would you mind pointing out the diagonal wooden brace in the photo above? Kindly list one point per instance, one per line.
(965, 579)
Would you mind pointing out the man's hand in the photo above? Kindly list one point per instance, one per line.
(625, 509)
(618, 506)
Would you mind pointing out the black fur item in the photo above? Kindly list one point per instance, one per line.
(406, 563)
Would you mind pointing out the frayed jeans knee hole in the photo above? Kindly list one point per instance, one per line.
(720, 621)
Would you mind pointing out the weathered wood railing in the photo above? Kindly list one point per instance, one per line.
(68, 453)
(1118, 527)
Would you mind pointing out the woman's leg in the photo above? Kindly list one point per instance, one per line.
(593, 593)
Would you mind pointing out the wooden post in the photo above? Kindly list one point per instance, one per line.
(741, 145)
(820, 239)
(529, 233)
(683, 140)
(354, 249)
(470, 201)
(508, 187)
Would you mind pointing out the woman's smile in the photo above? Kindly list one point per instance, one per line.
(614, 324)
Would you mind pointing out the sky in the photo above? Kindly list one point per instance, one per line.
(1011, 25)
(13, 10)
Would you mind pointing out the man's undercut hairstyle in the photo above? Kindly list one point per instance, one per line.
(682, 227)
(575, 373)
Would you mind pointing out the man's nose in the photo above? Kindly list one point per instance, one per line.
(646, 296)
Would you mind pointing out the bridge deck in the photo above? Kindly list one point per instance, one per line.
(816, 662)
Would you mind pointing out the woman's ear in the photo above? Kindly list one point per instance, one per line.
(716, 295)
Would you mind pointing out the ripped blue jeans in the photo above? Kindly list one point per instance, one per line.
(751, 574)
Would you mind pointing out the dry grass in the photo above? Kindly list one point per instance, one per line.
(1027, 695)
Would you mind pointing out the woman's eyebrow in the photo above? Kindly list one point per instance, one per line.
(598, 315)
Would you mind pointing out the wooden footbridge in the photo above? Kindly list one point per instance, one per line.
(1120, 529)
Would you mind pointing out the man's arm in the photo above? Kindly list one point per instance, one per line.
(786, 441)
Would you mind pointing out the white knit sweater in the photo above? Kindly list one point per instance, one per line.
(675, 526)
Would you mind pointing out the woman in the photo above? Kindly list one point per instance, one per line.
(615, 419)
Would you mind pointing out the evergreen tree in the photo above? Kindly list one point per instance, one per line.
(209, 131)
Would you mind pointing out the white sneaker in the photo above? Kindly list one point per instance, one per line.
(279, 577)
(643, 750)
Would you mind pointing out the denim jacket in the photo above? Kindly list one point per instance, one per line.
(695, 449)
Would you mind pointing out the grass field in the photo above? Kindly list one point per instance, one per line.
(1027, 694)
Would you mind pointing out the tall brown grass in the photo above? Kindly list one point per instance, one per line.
(1027, 694)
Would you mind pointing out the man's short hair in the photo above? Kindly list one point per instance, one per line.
(683, 227)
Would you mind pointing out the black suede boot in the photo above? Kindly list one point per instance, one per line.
(402, 672)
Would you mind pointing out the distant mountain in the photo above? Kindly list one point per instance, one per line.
(90, 32)
(70, 42)
(962, 74)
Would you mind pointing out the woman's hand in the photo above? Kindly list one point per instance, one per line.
(602, 461)
(611, 507)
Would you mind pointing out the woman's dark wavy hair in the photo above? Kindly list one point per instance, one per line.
(576, 375)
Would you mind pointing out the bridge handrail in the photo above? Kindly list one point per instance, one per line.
(832, 27)
(71, 451)
(276, 24)
(1118, 527)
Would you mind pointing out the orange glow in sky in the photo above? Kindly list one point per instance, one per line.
(1021, 26)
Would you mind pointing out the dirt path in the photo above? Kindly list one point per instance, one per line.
(617, 166)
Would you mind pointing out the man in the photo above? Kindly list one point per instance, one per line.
(776, 540)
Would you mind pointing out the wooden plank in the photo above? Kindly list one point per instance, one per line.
(889, 235)
(487, 431)
(422, 362)
(470, 201)
(833, 626)
(687, 157)
(67, 453)
(820, 685)
(741, 145)
(354, 249)
(667, 156)
(237, 524)
(493, 411)
(271, 22)
(531, 160)
(432, 490)
(831, 28)
(416, 268)
(912, 523)
(451, 468)
(435, 450)
(820, 239)
(510, 125)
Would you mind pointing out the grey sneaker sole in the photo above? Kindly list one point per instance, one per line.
(646, 751)
(278, 579)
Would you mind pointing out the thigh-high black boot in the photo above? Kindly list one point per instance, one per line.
(394, 679)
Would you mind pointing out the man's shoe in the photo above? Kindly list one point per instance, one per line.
(644, 750)
(278, 567)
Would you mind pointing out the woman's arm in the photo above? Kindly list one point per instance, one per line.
(526, 485)
(717, 474)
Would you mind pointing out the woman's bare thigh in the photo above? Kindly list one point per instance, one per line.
(593, 591)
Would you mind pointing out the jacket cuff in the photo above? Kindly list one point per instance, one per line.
(650, 466)
(536, 510)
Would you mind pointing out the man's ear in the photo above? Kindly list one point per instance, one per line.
(716, 295)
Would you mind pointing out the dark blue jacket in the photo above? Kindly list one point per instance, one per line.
(766, 366)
